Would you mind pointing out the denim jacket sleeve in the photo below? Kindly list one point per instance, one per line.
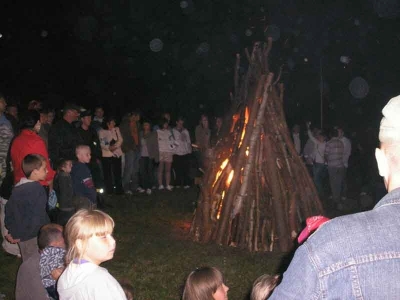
(300, 281)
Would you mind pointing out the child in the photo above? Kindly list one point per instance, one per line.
(64, 191)
(263, 287)
(82, 181)
(205, 283)
(52, 252)
(26, 209)
(89, 238)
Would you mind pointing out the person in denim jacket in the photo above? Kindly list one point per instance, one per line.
(355, 256)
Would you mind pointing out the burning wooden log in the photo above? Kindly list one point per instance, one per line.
(257, 192)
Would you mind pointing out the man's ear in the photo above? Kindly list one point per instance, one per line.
(382, 161)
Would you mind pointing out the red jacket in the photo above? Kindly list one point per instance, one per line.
(28, 142)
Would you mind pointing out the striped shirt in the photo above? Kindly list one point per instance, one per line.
(334, 151)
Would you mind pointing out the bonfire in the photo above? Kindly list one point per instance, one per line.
(256, 193)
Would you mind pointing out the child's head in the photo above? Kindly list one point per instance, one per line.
(34, 167)
(263, 286)
(128, 289)
(65, 165)
(51, 235)
(83, 153)
(204, 284)
(88, 236)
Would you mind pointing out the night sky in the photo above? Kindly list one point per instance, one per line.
(109, 52)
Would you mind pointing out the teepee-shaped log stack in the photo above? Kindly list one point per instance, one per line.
(256, 193)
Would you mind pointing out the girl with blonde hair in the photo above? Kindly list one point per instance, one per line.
(88, 235)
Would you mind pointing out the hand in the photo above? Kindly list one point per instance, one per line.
(11, 240)
(112, 148)
(56, 273)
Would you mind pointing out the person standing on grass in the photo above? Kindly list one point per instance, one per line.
(111, 141)
(203, 136)
(88, 235)
(148, 153)
(26, 209)
(182, 153)
(130, 130)
(355, 256)
(29, 142)
(63, 135)
(82, 181)
(166, 146)
(334, 151)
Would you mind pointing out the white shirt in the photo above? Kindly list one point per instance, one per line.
(319, 149)
(182, 138)
(88, 281)
(105, 137)
(347, 150)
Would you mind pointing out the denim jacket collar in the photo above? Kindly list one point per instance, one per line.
(391, 198)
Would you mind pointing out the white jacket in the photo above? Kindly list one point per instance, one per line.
(182, 138)
(165, 140)
(88, 281)
(105, 137)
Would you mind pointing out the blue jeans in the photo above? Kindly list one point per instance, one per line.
(336, 177)
(130, 180)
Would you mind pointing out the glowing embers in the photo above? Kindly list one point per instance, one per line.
(222, 167)
(220, 205)
(246, 120)
(230, 177)
(247, 151)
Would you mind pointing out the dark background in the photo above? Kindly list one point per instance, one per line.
(98, 52)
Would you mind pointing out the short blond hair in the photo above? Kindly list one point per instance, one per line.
(83, 225)
(80, 148)
(202, 283)
(263, 286)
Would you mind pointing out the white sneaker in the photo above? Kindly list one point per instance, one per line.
(169, 187)
(128, 193)
(186, 187)
(148, 191)
(140, 190)
(160, 187)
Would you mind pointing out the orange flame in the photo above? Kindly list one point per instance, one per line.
(220, 205)
(247, 151)
(230, 177)
(222, 167)
(246, 120)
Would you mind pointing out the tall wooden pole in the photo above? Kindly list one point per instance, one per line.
(321, 89)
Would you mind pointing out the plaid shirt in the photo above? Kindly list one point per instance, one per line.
(334, 151)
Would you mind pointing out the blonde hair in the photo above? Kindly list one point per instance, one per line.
(263, 287)
(83, 225)
(202, 283)
(80, 148)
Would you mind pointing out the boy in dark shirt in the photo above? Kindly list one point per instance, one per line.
(82, 181)
(64, 191)
(26, 208)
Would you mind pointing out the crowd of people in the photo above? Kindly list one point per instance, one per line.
(60, 167)
(326, 156)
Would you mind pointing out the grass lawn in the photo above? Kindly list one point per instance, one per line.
(155, 254)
